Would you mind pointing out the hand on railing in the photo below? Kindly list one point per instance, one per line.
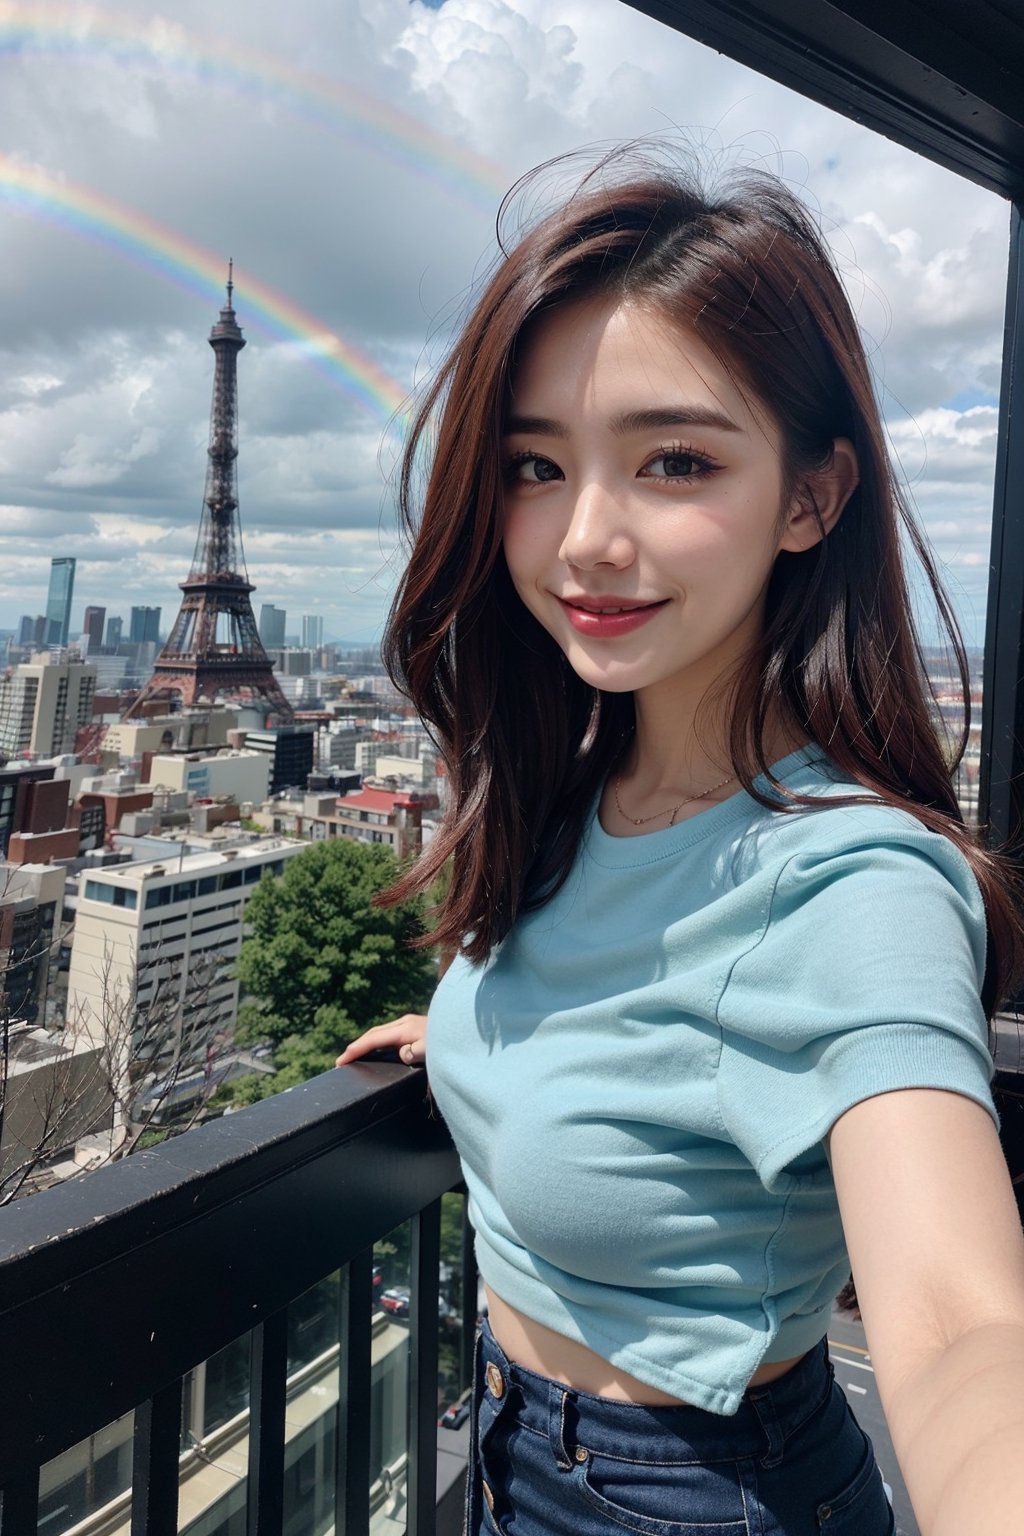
(403, 1039)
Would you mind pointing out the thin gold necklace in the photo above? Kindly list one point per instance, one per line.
(640, 821)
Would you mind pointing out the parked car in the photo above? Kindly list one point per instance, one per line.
(454, 1416)
(396, 1301)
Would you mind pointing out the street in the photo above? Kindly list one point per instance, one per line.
(855, 1374)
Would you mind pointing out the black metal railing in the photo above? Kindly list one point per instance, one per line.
(113, 1288)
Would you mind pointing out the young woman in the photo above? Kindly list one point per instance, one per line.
(715, 1026)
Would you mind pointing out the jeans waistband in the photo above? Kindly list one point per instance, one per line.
(767, 1415)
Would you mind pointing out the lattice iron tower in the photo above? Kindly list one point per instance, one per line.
(214, 649)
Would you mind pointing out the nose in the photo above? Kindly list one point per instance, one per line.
(598, 533)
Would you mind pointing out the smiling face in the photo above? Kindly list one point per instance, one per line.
(643, 499)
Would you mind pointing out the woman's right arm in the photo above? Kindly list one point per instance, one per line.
(407, 1035)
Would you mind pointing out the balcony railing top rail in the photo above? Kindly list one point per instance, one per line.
(112, 1287)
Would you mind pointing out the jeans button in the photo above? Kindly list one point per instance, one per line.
(495, 1380)
(580, 1454)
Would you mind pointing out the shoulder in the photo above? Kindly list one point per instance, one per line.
(863, 837)
(858, 890)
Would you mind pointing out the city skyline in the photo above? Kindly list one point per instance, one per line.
(352, 164)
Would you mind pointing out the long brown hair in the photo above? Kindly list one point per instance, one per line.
(527, 744)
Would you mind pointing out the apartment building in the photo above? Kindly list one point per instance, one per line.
(43, 704)
(145, 933)
(31, 905)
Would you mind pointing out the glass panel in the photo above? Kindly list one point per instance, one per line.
(215, 1443)
(389, 1392)
(311, 1423)
(95, 1473)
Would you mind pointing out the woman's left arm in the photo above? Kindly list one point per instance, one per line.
(938, 1257)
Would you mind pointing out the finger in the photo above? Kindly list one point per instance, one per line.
(396, 1033)
(372, 1040)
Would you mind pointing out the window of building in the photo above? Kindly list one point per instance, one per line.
(114, 895)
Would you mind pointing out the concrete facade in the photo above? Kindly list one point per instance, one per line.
(43, 704)
(241, 775)
(142, 930)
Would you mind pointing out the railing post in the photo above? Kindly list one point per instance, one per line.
(426, 1260)
(352, 1452)
(267, 1390)
(156, 1454)
(470, 1310)
(1001, 787)
(19, 1509)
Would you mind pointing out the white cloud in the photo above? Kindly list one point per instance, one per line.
(351, 158)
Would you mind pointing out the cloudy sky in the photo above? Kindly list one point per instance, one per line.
(350, 157)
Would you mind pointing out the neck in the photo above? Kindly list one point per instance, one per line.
(683, 747)
(680, 746)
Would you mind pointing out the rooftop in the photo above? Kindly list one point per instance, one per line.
(176, 866)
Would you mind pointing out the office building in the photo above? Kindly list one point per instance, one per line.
(16, 786)
(114, 628)
(144, 625)
(27, 629)
(145, 931)
(92, 625)
(291, 750)
(237, 775)
(38, 822)
(312, 631)
(272, 621)
(31, 902)
(43, 704)
(58, 601)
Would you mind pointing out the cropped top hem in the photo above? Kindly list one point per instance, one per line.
(794, 1338)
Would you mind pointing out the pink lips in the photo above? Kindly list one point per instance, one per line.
(608, 619)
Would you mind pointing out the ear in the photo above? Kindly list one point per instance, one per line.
(820, 498)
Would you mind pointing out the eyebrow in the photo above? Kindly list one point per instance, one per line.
(627, 422)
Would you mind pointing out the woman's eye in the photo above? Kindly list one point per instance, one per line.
(531, 469)
(675, 466)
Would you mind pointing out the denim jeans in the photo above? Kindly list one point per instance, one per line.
(547, 1460)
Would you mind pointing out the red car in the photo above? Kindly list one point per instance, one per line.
(396, 1301)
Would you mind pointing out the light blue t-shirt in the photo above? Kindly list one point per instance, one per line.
(640, 1078)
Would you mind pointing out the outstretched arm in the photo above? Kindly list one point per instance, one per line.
(938, 1257)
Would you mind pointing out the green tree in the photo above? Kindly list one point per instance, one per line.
(320, 963)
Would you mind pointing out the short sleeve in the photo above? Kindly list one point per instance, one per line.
(865, 978)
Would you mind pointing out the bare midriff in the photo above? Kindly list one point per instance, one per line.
(538, 1348)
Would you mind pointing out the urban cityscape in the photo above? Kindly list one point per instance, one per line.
(151, 782)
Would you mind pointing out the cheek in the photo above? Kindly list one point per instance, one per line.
(524, 545)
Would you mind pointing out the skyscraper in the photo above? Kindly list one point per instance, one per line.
(312, 630)
(272, 622)
(114, 628)
(144, 625)
(58, 600)
(92, 625)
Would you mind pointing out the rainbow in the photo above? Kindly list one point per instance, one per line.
(40, 27)
(190, 266)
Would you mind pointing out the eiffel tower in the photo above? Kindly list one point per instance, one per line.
(214, 649)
